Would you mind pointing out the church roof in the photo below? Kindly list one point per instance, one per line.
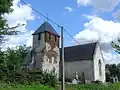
(46, 27)
(80, 52)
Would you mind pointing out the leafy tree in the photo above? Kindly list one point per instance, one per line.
(11, 60)
(5, 7)
(116, 46)
(3, 65)
(15, 56)
(112, 70)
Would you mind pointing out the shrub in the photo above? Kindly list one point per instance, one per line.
(28, 78)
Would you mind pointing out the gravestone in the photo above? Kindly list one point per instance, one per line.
(76, 79)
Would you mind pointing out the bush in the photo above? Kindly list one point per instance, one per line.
(28, 78)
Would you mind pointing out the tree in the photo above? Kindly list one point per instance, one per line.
(5, 7)
(112, 70)
(116, 46)
(15, 57)
(3, 65)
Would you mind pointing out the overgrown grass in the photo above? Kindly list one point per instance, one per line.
(115, 86)
(4, 86)
(36, 86)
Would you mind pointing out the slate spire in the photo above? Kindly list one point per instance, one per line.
(46, 27)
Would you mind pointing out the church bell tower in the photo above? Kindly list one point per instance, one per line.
(46, 48)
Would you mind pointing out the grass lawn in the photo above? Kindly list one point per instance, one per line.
(115, 86)
(26, 87)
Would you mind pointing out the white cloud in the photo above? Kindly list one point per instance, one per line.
(99, 29)
(16, 40)
(21, 14)
(89, 17)
(83, 2)
(101, 5)
(111, 58)
(69, 9)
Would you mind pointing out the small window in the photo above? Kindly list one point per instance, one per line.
(100, 68)
(39, 36)
(48, 36)
(57, 41)
(55, 38)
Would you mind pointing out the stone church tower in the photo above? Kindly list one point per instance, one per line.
(45, 53)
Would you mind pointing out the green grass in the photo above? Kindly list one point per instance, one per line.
(91, 87)
(116, 86)
(24, 87)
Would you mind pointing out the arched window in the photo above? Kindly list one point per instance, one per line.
(100, 68)
(39, 36)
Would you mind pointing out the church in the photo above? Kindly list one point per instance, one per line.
(86, 59)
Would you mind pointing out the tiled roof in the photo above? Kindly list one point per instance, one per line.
(46, 27)
(79, 52)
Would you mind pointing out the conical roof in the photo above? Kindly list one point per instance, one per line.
(46, 27)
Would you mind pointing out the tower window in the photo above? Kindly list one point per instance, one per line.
(50, 36)
(55, 38)
(39, 36)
